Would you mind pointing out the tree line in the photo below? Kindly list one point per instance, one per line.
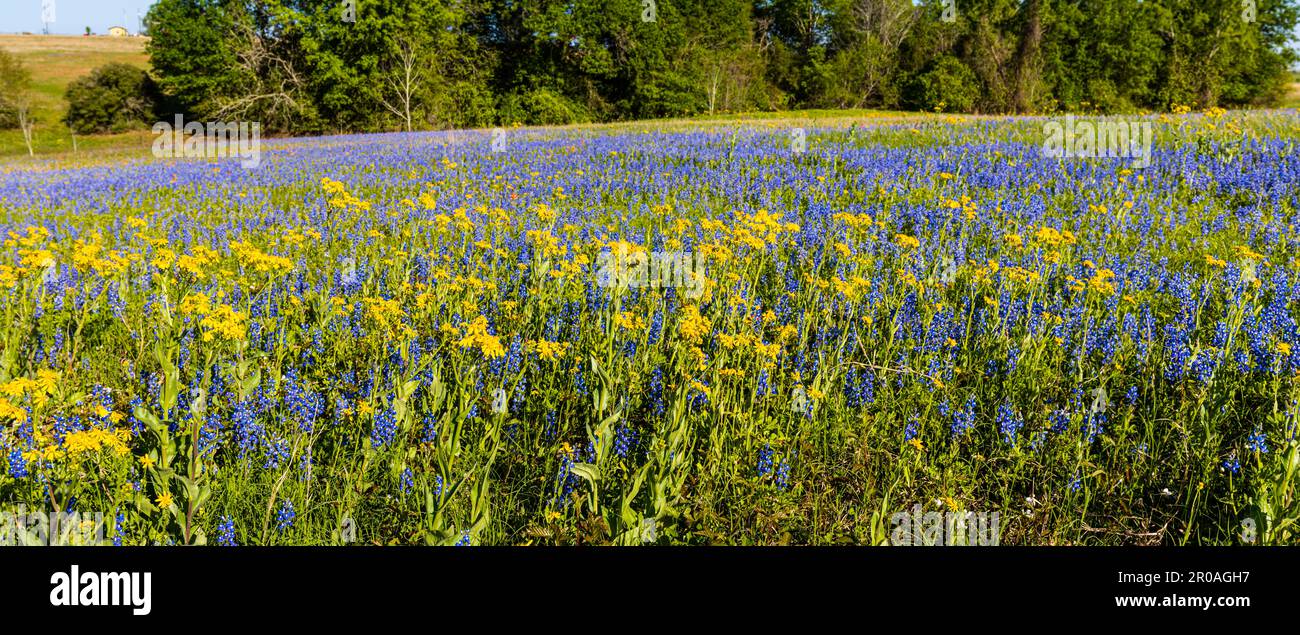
(318, 66)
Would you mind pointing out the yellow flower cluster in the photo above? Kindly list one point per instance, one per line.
(548, 351)
(10, 412)
(859, 222)
(546, 242)
(95, 439)
(544, 213)
(224, 322)
(32, 259)
(732, 342)
(1021, 276)
(341, 198)
(261, 262)
(1101, 282)
(199, 262)
(853, 288)
(1247, 253)
(195, 304)
(630, 321)
(760, 228)
(476, 335)
(693, 326)
(386, 312)
(38, 390)
(906, 242)
(89, 254)
(36, 235)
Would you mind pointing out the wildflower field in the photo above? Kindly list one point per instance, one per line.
(431, 338)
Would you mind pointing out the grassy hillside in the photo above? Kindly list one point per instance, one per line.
(55, 61)
(1292, 99)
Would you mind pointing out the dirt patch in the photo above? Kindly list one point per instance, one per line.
(23, 44)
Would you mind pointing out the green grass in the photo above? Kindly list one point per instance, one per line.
(56, 61)
(1292, 98)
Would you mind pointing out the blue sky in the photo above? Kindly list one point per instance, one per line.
(71, 17)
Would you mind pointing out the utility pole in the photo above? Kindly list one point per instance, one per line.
(47, 15)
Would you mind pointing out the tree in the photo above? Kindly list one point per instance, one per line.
(232, 60)
(404, 78)
(870, 35)
(298, 66)
(16, 96)
(112, 98)
(190, 53)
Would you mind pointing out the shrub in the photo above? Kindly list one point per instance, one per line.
(949, 86)
(112, 98)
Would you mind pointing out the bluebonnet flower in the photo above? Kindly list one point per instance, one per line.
(551, 428)
(304, 405)
(276, 452)
(226, 532)
(1095, 425)
(407, 481)
(248, 433)
(568, 481)
(17, 464)
(782, 477)
(1009, 423)
(1232, 464)
(1060, 420)
(859, 388)
(1257, 442)
(430, 433)
(285, 516)
(765, 461)
(385, 427)
(964, 419)
(624, 440)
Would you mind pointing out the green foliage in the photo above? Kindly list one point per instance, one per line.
(15, 80)
(113, 98)
(542, 106)
(428, 64)
(950, 86)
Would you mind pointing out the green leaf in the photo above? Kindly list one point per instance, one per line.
(587, 471)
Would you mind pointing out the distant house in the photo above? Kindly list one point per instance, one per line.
(117, 31)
